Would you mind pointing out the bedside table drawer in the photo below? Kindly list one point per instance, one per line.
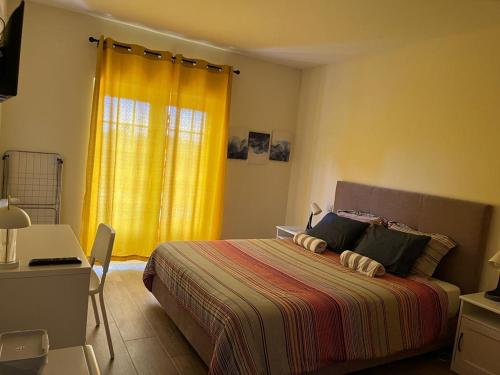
(477, 348)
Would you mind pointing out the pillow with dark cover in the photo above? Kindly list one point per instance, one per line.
(340, 233)
(396, 251)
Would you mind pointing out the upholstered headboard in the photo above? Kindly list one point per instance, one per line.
(466, 222)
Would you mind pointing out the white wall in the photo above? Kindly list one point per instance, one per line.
(3, 15)
(51, 112)
(3, 9)
(425, 117)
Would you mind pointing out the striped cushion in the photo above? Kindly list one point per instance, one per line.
(309, 242)
(364, 217)
(362, 264)
(436, 249)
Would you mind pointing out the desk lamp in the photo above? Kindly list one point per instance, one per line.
(495, 293)
(11, 219)
(315, 210)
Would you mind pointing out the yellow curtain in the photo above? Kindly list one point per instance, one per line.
(157, 148)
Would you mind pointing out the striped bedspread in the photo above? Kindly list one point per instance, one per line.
(271, 307)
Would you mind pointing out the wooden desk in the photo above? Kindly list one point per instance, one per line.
(51, 297)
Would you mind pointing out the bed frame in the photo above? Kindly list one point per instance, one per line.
(466, 222)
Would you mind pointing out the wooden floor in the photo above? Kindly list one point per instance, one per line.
(146, 341)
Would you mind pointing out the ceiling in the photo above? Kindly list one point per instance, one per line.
(299, 33)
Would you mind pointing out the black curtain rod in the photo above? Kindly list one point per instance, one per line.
(95, 40)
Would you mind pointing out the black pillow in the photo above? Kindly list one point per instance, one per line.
(396, 251)
(340, 233)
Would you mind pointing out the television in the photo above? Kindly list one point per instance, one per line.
(10, 51)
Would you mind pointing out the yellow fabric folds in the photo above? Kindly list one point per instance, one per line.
(157, 148)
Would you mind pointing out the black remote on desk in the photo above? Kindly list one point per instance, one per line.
(54, 261)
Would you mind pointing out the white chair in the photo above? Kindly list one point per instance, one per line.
(101, 251)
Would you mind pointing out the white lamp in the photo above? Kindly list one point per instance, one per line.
(11, 218)
(495, 293)
(315, 210)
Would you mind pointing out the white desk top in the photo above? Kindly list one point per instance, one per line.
(46, 241)
(78, 360)
(291, 228)
(480, 300)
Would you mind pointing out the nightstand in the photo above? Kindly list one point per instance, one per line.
(477, 343)
(287, 231)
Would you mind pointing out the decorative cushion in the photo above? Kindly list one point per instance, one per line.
(438, 246)
(361, 264)
(313, 244)
(396, 251)
(340, 233)
(364, 217)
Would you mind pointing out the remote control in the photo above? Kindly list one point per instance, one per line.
(54, 261)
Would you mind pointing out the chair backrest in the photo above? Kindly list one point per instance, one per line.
(103, 246)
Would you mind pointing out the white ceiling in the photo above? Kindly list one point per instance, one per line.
(299, 33)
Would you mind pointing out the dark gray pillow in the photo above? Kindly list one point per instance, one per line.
(340, 233)
(396, 251)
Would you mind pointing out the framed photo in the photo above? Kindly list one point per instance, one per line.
(237, 144)
(258, 147)
(280, 146)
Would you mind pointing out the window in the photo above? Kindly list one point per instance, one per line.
(191, 124)
(131, 116)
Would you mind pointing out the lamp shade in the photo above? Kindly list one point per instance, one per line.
(495, 260)
(315, 209)
(13, 217)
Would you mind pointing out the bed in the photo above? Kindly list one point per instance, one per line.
(269, 307)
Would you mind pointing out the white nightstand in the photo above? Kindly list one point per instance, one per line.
(477, 343)
(287, 231)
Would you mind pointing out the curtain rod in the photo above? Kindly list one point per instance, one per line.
(95, 40)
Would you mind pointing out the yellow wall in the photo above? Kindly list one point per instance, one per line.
(425, 118)
(51, 112)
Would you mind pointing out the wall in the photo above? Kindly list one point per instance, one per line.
(3, 9)
(51, 112)
(3, 15)
(424, 118)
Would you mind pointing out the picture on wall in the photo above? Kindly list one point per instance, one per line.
(280, 146)
(237, 144)
(258, 147)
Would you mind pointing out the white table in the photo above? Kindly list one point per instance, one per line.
(79, 360)
(287, 231)
(477, 343)
(50, 297)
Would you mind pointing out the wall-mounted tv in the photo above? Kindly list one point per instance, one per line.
(10, 51)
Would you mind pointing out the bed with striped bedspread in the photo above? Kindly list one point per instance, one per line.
(272, 307)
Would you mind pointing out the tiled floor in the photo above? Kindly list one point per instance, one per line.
(146, 341)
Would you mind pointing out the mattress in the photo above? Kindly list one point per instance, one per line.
(453, 294)
(270, 307)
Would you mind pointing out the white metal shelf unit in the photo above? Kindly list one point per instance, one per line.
(34, 181)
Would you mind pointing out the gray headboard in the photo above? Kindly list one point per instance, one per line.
(466, 222)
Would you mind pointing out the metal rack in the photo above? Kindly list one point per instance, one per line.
(34, 181)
